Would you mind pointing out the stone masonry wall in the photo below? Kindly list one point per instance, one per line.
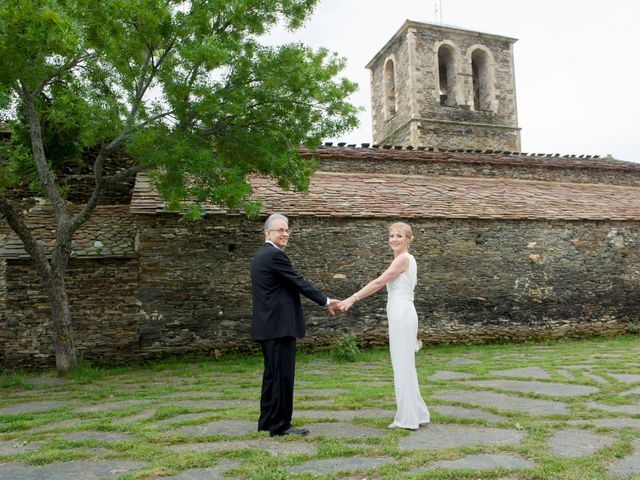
(106, 317)
(478, 281)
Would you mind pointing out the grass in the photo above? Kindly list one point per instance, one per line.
(147, 394)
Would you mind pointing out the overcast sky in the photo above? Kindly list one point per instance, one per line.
(576, 61)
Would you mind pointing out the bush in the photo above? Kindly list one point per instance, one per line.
(346, 348)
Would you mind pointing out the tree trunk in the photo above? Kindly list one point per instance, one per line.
(61, 322)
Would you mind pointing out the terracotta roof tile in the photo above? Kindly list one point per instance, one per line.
(417, 196)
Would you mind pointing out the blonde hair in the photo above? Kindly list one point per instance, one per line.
(404, 228)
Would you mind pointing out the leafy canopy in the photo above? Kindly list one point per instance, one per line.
(185, 86)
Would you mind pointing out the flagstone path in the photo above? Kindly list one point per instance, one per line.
(494, 414)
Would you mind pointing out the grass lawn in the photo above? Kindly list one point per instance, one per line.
(148, 408)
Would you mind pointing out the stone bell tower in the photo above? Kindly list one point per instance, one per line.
(440, 86)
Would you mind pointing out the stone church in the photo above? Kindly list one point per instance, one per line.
(511, 246)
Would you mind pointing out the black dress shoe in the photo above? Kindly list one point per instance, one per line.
(290, 431)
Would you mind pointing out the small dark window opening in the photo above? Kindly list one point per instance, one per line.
(390, 88)
(447, 76)
(481, 80)
(231, 247)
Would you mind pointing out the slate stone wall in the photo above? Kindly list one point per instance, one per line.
(478, 281)
(104, 307)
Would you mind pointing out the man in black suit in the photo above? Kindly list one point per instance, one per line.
(277, 322)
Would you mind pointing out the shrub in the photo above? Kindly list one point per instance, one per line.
(346, 348)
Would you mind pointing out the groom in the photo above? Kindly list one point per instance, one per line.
(277, 322)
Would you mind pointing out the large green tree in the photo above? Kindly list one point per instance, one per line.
(186, 87)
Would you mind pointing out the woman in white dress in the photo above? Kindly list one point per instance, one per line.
(400, 279)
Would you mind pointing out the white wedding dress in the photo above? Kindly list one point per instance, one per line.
(403, 331)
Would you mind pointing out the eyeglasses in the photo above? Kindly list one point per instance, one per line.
(280, 230)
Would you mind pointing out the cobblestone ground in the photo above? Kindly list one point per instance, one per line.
(543, 413)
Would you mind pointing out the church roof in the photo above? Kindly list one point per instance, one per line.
(470, 156)
(418, 196)
(109, 232)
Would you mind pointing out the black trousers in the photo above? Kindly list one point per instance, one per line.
(276, 402)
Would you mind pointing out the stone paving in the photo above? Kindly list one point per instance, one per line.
(484, 420)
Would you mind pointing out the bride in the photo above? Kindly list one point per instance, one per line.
(400, 279)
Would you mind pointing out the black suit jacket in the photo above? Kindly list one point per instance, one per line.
(276, 286)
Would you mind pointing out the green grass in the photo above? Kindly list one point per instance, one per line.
(369, 380)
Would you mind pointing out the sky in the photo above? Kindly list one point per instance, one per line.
(577, 62)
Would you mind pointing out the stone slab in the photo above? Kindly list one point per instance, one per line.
(271, 445)
(321, 391)
(180, 418)
(219, 427)
(29, 407)
(75, 470)
(217, 472)
(436, 436)
(501, 401)
(344, 414)
(448, 375)
(577, 443)
(15, 447)
(46, 381)
(138, 417)
(333, 465)
(544, 388)
(526, 372)
(634, 391)
(71, 422)
(628, 409)
(484, 461)
(344, 430)
(625, 377)
(82, 435)
(615, 422)
(211, 404)
(462, 412)
(595, 378)
(628, 465)
(463, 361)
(111, 406)
(566, 374)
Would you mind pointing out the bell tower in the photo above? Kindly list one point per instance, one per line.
(440, 86)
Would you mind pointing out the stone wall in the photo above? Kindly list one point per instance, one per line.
(478, 281)
(104, 308)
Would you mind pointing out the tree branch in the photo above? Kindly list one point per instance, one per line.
(31, 246)
(37, 147)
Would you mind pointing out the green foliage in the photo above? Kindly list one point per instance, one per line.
(186, 87)
(346, 349)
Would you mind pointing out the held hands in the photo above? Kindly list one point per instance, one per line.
(347, 303)
(333, 306)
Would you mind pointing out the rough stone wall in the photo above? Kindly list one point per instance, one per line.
(106, 316)
(478, 281)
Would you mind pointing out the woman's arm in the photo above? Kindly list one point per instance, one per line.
(399, 265)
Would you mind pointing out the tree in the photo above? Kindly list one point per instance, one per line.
(185, 87)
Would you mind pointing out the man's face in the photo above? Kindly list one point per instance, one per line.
(279, 233)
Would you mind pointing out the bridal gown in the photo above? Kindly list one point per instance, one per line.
(403, 331)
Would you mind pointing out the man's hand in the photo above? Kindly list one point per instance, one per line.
(332, 307)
